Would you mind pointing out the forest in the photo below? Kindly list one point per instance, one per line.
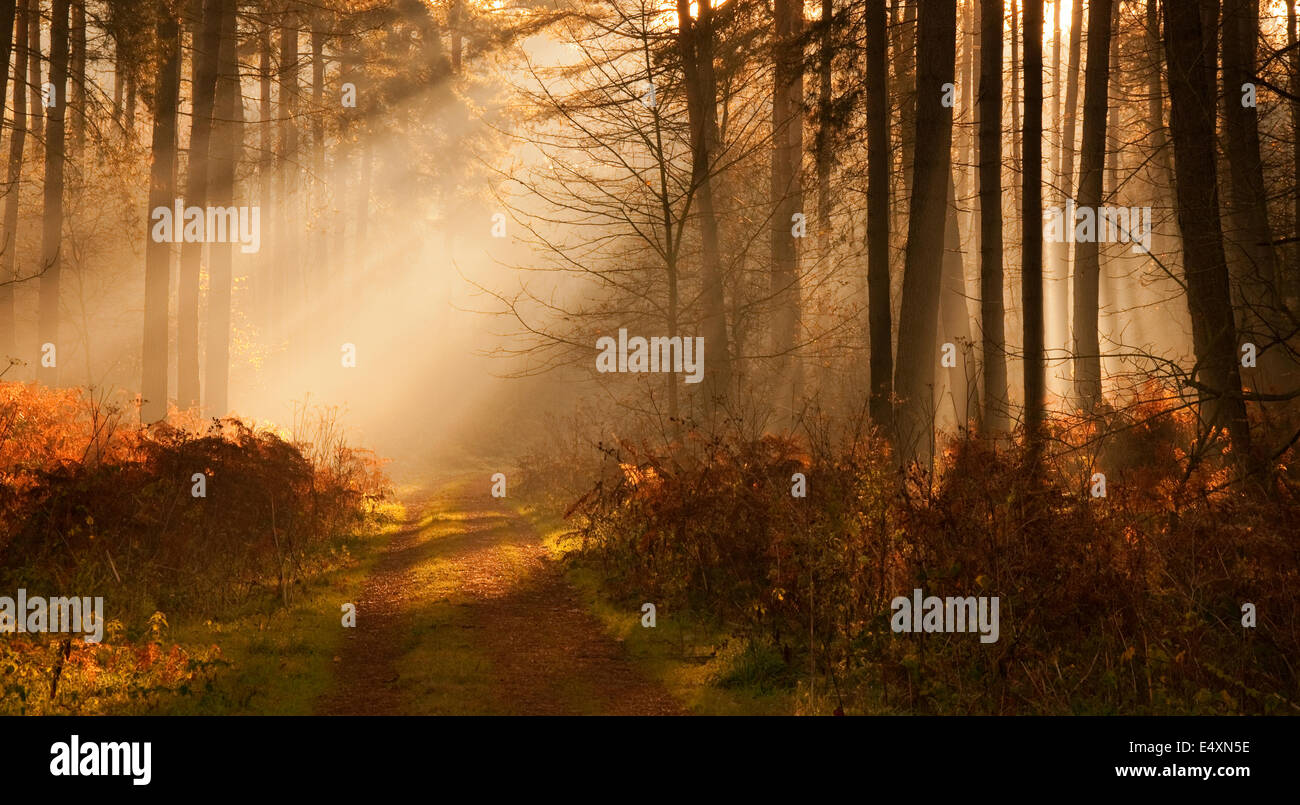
(650, 357)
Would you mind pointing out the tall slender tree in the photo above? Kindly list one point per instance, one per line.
(1248, 234)
(992, 315)
(1057, 291)
(1087, 266)
(787, 191)
(162, 190)
(34, 69)
(206, 28)
(918, 319)
(227, 134)
(879, 160)
(695, 43)
(17, 143)
(52, 229)
(1192, 124)
(1031, 217)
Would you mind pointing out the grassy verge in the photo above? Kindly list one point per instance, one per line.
(279, 660)
(707, 671)
(263, 657)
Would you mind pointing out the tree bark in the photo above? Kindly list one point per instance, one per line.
(52, 231)
(904, 63)
(918, 324)
(1087, 266)
(262, 283)
(17, 143)
(879, 161)
(1031, 255)
(695, 43)
(954, 316)
(1293, 42)
(285, 276)
(787, 195)
(825, 127)
(162, 191)
(992, 315)
(1249, 237)
(227, 142)
(1192, 124)
(1058, 290)
(34, 68)
(206, 32)
(78, 91)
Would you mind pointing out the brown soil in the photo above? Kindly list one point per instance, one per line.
(547, 655)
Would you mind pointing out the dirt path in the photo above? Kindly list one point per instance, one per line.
(498, 598)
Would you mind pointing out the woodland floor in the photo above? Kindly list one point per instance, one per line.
(465, 612)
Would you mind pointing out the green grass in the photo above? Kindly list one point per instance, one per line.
(279, 660)
(698, 665)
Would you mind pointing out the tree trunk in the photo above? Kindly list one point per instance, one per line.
(227, 142)
(1293, 42)
(1058, 290)
(992, 316)
(1031, 221)
(918, 320)
(1057, 83)
(262, 284)
(695, 40)
(454, 15)
(78, 90)
(8, 35)
(322, 262)
(1087, 266)
(162, 190)
(954, 318)
(17, 142)
(52, 232)
(34, 69)
(1116, 103)
(206, 33)
(1016, 161)
(1161, 161)
(1249, 237)
(825, 127)
(905, 81)
(879, 160)
(787, 197)
(1192, 124)
(285, 279)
